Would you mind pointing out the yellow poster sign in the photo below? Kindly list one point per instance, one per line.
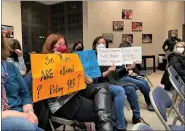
(55, 75)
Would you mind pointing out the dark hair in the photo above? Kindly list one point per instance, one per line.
(14, 44)
(50, 42)
(76, 43)
(5, 51)
(96, 41)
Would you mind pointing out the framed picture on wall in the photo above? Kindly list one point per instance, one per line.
(127, 14)
(118, 25)
(137, 26)
(8, 31)
(146, 38)
(108, 37)
(127, 37)
(171, 32)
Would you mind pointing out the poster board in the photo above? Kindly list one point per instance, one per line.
(55, 75)
(89, 62)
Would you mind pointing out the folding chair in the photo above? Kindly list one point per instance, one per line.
(161, 101)
(142, 127)
(178, 88)
(174, 73)
(63, 122)
(145, 74)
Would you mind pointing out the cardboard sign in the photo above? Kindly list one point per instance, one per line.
(55, 75)
(132, 54)
(89, 62)
(110, 56)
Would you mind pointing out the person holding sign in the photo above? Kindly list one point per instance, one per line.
(141, 83)
(113, 75)
(92, 104)
(17, 110)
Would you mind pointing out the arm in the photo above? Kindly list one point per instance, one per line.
(12, 113)
(22, 66)
(164, 45)
(177, 65)
(24, 92)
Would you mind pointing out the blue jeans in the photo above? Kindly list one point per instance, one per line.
(143, 86)
(118, 95)
(18, 124)
(130, 91)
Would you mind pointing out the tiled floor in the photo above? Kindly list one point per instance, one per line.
(150, 117)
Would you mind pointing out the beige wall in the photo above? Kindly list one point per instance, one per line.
(152, 13)
(11, 15)
(174, 17)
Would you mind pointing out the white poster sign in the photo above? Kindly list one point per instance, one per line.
(110, 56)
(131, 54)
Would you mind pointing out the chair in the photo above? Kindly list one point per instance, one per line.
(178, 88)
(141, 127)
(181, 108)
(62, 121)
(145, 73)
(174, 73)
(161, 101)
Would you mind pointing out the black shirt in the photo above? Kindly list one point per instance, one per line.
(170, 43)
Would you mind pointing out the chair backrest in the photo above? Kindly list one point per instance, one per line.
(161, 101)
(177, 86)
(172, 72)
(141, 127)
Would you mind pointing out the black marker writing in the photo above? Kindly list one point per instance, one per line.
(49, 60)
(71, 83)
(47, 74)
(66, 70)
(38, 89)
(56, 89)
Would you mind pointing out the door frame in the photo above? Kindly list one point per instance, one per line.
(183, 32)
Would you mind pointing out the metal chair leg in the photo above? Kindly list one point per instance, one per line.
(127, 105)
(149, 81)
(64, 127)
(175, 120)
(52, 128)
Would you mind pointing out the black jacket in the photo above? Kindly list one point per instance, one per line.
(178, 63)
(170, 43)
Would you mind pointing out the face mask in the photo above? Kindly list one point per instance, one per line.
(79, 49)
(173, 35)
(62, 49)
(180, 50)
(101, 46)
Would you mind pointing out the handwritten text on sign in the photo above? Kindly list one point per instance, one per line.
(132, 54)
(110, 56)
(90, 64)
(55, 75)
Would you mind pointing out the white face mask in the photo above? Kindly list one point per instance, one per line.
(100, 46)
(180, 50)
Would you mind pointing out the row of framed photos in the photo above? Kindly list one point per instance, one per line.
(119, 26)
(146, 38)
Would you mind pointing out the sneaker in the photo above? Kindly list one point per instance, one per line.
(150, 107)
(141, 120)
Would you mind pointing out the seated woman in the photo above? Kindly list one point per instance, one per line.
(177, 59)
(78, 46)
(17, 111)
(117, 93)
(92, 104)
(143, 85)
(16, 55)
(115, 78)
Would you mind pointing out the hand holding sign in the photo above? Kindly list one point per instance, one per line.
(112, 68)
(55, 75)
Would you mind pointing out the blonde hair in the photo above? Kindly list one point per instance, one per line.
(175, 48)
(5, 50)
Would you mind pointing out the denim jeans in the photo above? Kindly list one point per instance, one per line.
(130, 91)
(118, 95)
(18, 124)
(143, 86)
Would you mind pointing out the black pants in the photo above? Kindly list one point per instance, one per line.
(81, 106)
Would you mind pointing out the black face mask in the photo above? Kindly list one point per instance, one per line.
(79, 49)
